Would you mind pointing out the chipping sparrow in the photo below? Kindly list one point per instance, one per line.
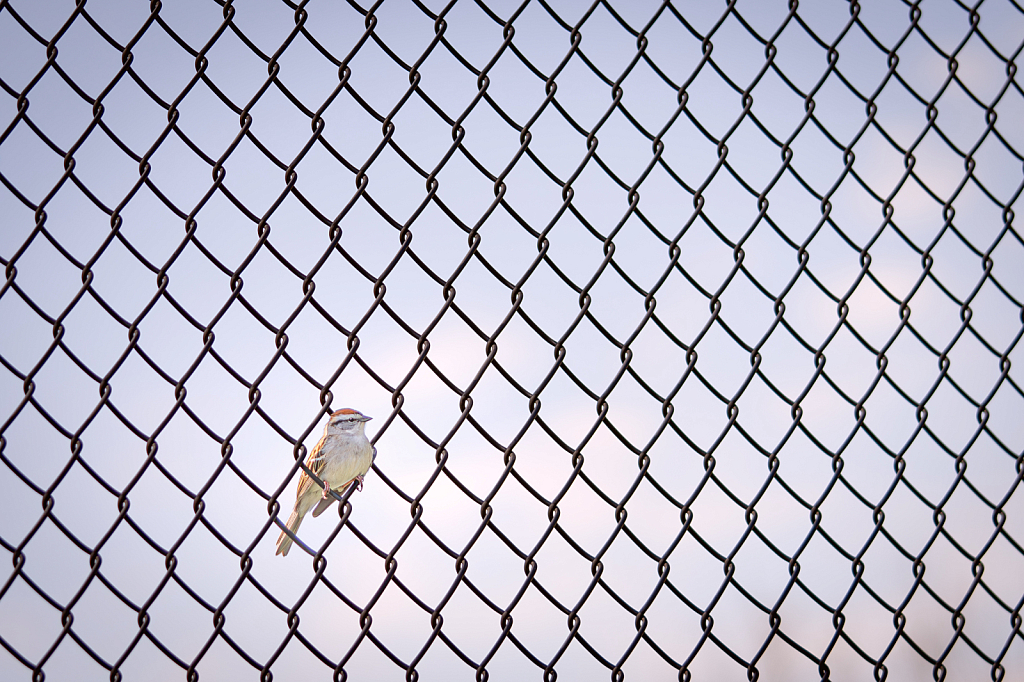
(343, 455)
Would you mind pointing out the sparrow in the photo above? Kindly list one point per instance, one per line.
(343, 456)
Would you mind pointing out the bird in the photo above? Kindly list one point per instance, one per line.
(342, 457)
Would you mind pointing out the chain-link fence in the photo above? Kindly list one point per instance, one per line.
(688, 330)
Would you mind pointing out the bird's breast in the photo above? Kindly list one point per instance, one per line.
(350, 457)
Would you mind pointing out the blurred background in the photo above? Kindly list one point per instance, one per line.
(690, 331)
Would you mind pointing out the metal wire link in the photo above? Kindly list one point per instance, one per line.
(653, 287)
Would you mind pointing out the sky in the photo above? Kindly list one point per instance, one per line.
(730, 290)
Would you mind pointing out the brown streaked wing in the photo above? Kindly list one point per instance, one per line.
(315, 462)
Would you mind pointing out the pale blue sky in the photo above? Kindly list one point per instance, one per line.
(124, 292)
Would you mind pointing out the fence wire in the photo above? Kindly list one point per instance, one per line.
(970, 263)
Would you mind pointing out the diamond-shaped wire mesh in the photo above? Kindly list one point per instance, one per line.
(688, 329)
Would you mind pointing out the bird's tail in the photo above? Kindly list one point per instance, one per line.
(284, 543)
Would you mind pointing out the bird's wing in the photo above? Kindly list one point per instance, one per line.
(322, 505)
(315, 462)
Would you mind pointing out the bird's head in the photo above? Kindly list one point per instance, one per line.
(347, 420)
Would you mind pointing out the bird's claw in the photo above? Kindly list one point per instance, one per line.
(358, 481)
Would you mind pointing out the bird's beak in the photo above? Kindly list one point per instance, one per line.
(365, 418)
